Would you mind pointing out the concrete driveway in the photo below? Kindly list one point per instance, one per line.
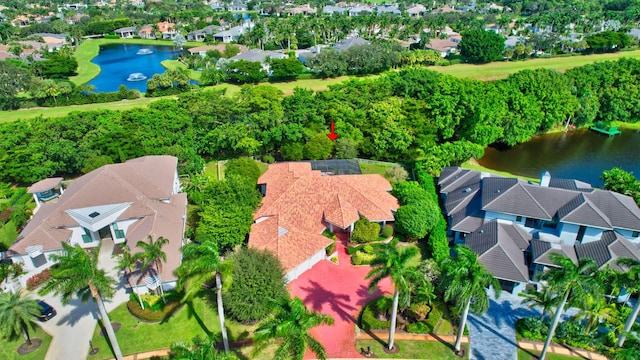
(73, 327)
(339, 290)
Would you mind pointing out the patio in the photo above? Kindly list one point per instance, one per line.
(339, 290)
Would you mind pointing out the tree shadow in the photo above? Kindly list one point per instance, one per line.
(192, 313)
(80, 310)
(364, 295)
(317, 296)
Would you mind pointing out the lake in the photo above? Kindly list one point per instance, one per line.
(130, 65)
(581, 155)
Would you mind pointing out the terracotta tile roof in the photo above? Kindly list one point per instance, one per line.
(300, 202)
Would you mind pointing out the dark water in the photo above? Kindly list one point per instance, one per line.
(581, 155)
(118, 62)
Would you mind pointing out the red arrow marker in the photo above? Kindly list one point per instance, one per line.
(333, 136)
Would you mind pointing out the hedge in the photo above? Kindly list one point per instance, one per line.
(365, 231)
(38, 279)
(438, 242)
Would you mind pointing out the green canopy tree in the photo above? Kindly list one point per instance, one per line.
(17, 315)
(465, 280)
(392, 262)
(199, 263)
(480, 46)
(152, 254)
(76, 272)
(290, 327)
(572, 283)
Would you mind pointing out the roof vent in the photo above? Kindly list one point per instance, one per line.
(498, 191)
(481, 231)
(467, 190)
(94, 214)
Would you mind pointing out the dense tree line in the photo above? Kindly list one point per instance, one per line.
(409, 114)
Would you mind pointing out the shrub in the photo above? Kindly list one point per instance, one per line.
(419, 328)
(331, 248)
(269, 159)
(257, 277)
(244, 167)
(532, 328)
(152, 302)
(387, 231)
(438, 242)
(417, 220)
(368, 319)
(410, 192)
(111, 36)
(368, 249)
(362, 258)
(418, 311)
(150, 315)
(38, 279)
(329, 234)
(335, 259)
(365, 231)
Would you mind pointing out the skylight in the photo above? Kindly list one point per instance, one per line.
(94, 214)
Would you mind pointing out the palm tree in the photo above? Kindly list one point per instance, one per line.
(126, 263)
(595, 310)
(465, 280)
(634, 277)
(201, 349)
(571, 282)
(77, 272)
(199, 263)
(391, 262)
(290, 326)
(546, 299)
(152, 254)
(17, 315)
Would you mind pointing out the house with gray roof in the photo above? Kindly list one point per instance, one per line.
(232, 34)
(199, 35)
(359, 10)
(330, 9)
(126, 32)
(107, 208)
(256, 55)
(514, 225)
(392, 9)
(349, 42)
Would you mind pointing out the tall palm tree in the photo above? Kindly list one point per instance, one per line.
(199, 263)
(77, 272)
(465, 280)
(152, 254)
(126, 262)
(571, 282)
(633, 285)
(596, 309)
(17, 315)
(546, 299)
(290, 326)
(201, 349)
(391, 262)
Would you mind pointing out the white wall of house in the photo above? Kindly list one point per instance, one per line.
(569, 232)
(27, 264)
(305, 265)
(76, 237)
(176, 184)
(491, 215)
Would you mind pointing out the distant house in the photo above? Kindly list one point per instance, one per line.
(230, 35)
(21, 21)
(300, 203)
(202, 50)
(635, 32)
(126, 32)
(512, 41)
(147, 32)
(392, 9)
(302, 9)
(360, 10)
(237, 6)
(144, 199)
(513, 225)
(417, 10)
(52, 39)
(199, 35)
(349, 42)
(445, 47)
(256, 55)
(167, 29)
(330, 9)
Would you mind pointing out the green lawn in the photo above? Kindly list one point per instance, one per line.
(8, 347)
(533, 355)
(211, 169)
(90, 49)
(8, 234)
(499, 70)
(473, 165)
(135, 336)
(175, 64)
(413, 350)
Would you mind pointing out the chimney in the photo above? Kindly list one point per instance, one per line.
(545, 178)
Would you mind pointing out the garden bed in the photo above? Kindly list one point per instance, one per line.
(148, 315)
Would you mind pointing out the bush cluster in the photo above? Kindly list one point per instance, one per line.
(365, 231)
(387, 231)
(38, 279)
(369, 316)
(150, 315)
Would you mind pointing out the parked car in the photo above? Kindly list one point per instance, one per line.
(46, 311)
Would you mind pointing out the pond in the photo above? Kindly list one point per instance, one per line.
(581, 155)
(130, 65)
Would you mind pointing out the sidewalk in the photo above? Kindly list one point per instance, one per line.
(560, 350)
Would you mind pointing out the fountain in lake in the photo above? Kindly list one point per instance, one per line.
(136, 77)
(144, 52)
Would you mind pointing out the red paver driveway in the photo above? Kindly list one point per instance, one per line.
(340, 291)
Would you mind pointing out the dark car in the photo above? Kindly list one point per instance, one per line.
(46, 311)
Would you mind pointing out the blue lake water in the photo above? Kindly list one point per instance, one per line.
(119, 62)
(581, 155)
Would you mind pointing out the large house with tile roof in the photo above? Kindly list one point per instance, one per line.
(300, 203)
(117, 204)
(513, 225)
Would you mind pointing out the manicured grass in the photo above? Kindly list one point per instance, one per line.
(414, 350)
(533, 355)
(91, 47)
(175, 64)
(377, 169)
(499, 70)
(473, 165)
(8, 234)
(211, 169)
(8, 347)
(135, 336)
(626, 125)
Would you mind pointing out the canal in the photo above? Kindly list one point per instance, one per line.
(581, 155)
